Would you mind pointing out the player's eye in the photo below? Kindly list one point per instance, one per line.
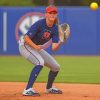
(52, 13)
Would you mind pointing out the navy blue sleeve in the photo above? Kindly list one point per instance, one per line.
(55, 37)
(33, 29)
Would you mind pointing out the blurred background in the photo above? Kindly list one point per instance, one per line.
(17, 17)
(81, 52)
(45, 2)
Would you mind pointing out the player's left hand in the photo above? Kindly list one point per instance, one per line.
(64, 32)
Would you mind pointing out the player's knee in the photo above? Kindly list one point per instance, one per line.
(56, 68)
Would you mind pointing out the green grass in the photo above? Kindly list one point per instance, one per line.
(74, 69)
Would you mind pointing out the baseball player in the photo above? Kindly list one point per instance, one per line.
(32, 46)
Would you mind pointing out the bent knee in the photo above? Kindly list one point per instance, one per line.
(56, 68)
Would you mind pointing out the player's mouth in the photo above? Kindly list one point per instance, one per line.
(52, 18)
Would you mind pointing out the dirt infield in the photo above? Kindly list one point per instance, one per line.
(13, 91)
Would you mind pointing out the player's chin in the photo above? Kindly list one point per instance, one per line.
(52, 19)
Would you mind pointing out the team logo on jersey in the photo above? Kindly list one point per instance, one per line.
(25, 22)
(46, 35)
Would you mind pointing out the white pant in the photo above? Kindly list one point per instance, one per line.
(38, 58)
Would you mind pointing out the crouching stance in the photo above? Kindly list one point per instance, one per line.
(31, 46)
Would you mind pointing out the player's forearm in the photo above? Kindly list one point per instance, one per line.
(56, 46)
(30, 43)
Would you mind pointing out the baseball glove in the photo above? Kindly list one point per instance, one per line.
(64, 32)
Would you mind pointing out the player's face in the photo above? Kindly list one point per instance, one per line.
(51, 16)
